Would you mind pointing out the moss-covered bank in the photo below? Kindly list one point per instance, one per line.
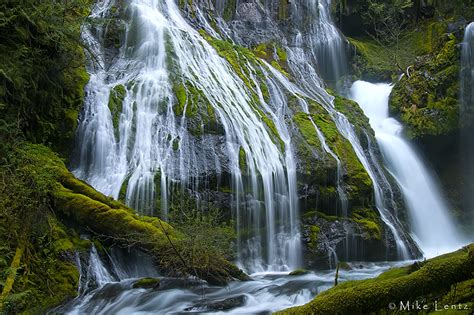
(37, 269)
(446, 279)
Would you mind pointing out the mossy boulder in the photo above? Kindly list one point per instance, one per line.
(429, 281)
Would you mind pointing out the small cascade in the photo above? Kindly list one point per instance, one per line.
(467, 116)
(429, 214)
(97, 272)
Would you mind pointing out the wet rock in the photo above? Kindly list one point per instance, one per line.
(222, 305)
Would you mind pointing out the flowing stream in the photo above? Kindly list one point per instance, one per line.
(114, 292)
(433, 228)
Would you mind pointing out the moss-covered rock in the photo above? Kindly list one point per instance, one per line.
(426, 99)
(375, 61)
(430, 281)
(298, 272)
(146, 283)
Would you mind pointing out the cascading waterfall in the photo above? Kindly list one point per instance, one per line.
(434, 231)
(467, 115)
(153, 147)
(381, 185)
(328, 47)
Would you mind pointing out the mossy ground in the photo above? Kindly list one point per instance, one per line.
(446, 279)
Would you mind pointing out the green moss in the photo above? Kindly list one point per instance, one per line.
(180, 93)
(42, 71)
(427, 100)
(176, 144)
(307, 130)
(369, 221)
(116, 97)
(274, 54)
(314, 236)
(358, 179)
(242, 159)
(376, 61)
(283, 9)
(229, 10)
(123, 190)
(436, 277)
(147, 283)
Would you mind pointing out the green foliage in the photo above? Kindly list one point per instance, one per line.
(42, 72)
(386, 17)
(229, 10)
(46, 276)
(437, 279)
(313, 236)
(369, 221)
(283, 9)
(374, 60)
(206, 231)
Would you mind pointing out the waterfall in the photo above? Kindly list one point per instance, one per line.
(429, 214)
(382, 189)
(151, 150)
(320, 43)
(467, 116)
(318, 34)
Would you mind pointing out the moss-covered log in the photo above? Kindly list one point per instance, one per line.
(423, 281)
(112, 220)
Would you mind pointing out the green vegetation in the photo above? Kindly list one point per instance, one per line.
(229, 10)
(375, 61)
(427, 99)
(42, 73)
(445, 278)
(313, 236)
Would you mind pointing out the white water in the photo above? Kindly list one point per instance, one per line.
(434, 230)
